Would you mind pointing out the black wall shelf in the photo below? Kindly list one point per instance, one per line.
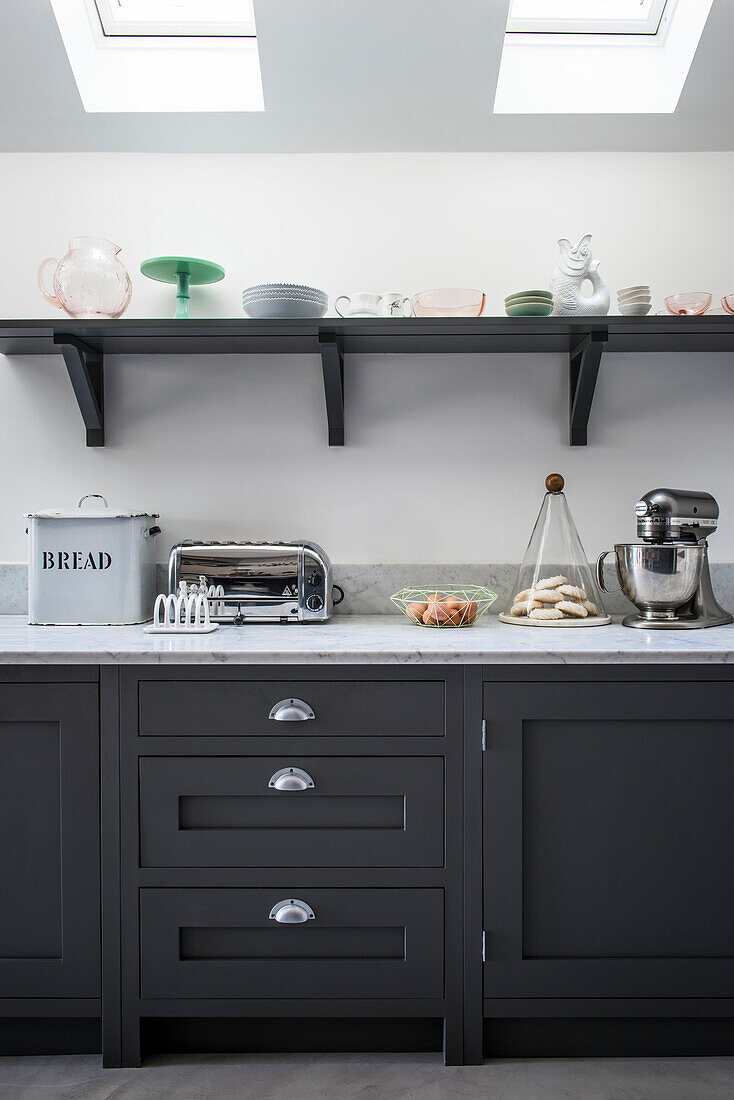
(84, 345)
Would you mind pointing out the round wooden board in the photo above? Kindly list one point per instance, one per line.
(518, 620)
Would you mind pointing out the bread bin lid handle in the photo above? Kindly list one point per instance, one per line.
(93, 513)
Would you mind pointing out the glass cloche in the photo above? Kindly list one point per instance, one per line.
(555, 585)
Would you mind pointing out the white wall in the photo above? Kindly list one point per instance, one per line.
(445, 455)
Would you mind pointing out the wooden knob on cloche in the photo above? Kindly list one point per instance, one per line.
(554, 483)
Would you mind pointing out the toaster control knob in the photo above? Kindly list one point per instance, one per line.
(314, 580)
(314, 602)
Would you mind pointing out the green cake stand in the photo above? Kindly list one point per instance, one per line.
(185, 272)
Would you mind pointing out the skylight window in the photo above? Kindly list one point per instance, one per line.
(598, 56)
(162, 55)
(178, 18)
(586, 16)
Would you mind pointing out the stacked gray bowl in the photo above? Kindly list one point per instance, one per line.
(284, 300)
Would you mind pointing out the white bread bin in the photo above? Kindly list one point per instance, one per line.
(91, 567)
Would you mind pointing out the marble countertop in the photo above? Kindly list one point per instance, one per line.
(357, 639)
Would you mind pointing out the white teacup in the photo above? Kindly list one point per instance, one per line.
(362, 304)
(393, 304)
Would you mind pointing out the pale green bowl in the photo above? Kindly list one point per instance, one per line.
(529, 309)
(522, 294)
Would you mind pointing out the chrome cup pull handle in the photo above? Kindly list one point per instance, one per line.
(600, 572)
(292, 911)
(291, 710)
(291, 779)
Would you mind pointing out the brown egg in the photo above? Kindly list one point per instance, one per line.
(451, 601)
(436, 614)
(468, 612)
(434, 597)
(416, 611)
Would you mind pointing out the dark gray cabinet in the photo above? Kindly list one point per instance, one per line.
(49, 856)
(210, 842)
(591, 841)
(609, 842)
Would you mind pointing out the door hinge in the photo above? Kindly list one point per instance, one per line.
(484, 734)
(484, 946)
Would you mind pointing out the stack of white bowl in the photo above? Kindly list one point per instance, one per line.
(634, 301)
(284, 300)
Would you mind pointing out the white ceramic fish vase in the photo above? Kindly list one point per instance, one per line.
(575, 267)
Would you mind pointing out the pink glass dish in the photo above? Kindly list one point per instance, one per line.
(449, 303)
(728, 303)
(688, 305)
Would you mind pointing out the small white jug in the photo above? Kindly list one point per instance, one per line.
(362, 304)
(393, 304)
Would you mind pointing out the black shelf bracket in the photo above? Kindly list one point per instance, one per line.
(332, 365)
(85, 365)
(584, 363)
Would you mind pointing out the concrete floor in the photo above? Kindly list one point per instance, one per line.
(367, 1076)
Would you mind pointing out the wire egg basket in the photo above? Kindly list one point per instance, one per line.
(444, 605)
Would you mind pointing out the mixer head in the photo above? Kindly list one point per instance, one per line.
(676, 515)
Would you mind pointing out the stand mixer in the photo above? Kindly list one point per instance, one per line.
(667, 575)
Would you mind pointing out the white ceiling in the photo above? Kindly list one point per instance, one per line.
(352, 76)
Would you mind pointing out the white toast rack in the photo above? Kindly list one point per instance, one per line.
(186, 613)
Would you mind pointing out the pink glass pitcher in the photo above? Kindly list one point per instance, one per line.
(90, 281)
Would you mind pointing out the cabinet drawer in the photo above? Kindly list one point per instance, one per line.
(235, 708)
(379, 943)
(226, 811)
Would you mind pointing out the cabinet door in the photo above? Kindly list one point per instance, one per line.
(49, 840)
(609, 840)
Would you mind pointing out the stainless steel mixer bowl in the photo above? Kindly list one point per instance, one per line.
(658, 578)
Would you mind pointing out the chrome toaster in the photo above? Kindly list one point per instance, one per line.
(257, 581)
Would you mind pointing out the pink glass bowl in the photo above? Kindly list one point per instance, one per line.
(688, 305)
(727, 303)
(449, 303)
